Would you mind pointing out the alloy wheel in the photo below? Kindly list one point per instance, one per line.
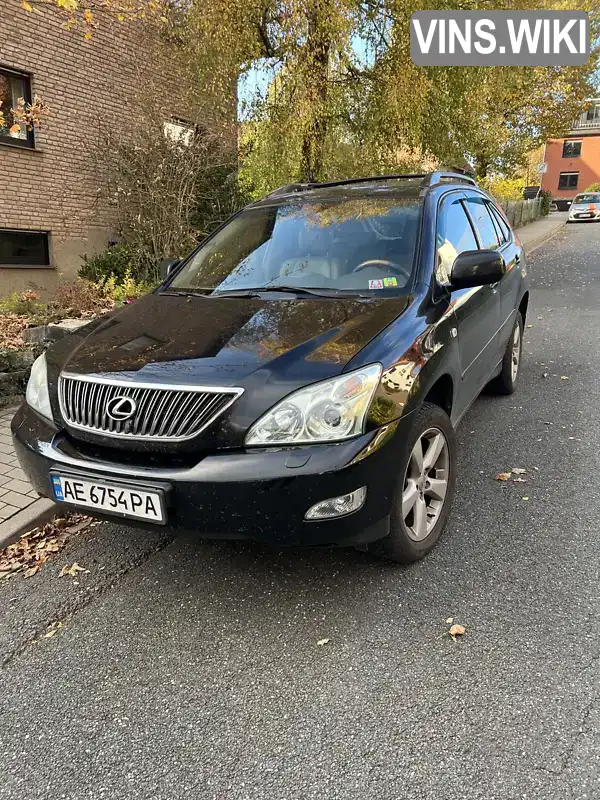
(425, 484)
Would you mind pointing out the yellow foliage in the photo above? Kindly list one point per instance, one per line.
(504, 188)
(68, 5)
(126, 289)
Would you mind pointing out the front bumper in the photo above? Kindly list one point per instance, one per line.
(249, 494)
(579, 216)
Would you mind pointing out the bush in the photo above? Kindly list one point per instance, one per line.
(167, 195)
(78, 299)
(113, 262)
(21, 304)
(593, 187)
(546, 196)
(127, 288)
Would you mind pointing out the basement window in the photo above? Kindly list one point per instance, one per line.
(24, 248)
(14, 85)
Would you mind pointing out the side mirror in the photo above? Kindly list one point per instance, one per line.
(477, 268)
(167, 265)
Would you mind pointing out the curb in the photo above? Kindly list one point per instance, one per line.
(37, 513)
(535, 243)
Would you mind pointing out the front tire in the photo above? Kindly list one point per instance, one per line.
(506, 382)
(423, 497)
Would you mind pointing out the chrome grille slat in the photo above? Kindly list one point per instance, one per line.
(192, 411)
(162, 413)
(178, 414)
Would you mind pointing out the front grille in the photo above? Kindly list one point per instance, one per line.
(140, 410)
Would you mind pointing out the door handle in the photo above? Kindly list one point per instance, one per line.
(517, 259)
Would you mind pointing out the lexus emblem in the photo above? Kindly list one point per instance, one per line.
(121, 408)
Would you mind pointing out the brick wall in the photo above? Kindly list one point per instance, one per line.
(54, 187)
(587, 165)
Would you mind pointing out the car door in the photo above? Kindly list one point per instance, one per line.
(476, 310)
(511, 283)
(478, 208)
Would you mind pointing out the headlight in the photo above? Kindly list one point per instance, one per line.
(37, 388)
(328, 411)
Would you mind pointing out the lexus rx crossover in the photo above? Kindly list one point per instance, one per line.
(298, 378)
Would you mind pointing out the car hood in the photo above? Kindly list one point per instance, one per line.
(219, 341)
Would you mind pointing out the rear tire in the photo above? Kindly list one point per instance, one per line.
(506, 382)
(423, 497)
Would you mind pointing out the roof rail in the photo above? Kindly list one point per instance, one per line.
(289, 188)
(449, 175)
(300, 187)
(429, 179)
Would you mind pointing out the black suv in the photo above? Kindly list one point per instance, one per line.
(297, 379)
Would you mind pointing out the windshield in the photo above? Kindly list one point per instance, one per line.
(587, 198)
(359, 245)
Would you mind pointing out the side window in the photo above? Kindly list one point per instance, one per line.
(501, 225)
(454, 236)
(483, 223)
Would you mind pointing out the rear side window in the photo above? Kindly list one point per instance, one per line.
(454, 236)
(483, 223)
(502, 227)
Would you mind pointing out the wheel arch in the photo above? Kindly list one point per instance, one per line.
(523, 305)
(441, 393)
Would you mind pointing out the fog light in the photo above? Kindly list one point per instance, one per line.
(338, 506)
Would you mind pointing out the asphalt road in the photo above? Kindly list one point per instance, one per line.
(191, 669)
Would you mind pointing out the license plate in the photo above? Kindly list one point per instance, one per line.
(585, 216)
(112, 498)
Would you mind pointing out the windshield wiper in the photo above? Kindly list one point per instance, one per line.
(258, 290)
(202, 292)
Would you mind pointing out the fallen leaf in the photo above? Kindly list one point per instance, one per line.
(29, 573)
(530, 326)
(36, 546)
(457, 630)
(450, 620)
(564, 377)
(524, 498)
(519, 470)
(321, 642)
(53, 628)
(71, 570)
(502, 476)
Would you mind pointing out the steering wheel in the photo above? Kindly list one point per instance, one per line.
(385, 263)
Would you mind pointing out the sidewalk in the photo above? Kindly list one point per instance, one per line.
(536, 233)
(20, 507)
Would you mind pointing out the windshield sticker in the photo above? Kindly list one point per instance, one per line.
(384, 283)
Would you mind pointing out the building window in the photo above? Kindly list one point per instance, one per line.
(593, 114)
(568, 180)
(14, 85)
(571, 149)
(24, 248)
